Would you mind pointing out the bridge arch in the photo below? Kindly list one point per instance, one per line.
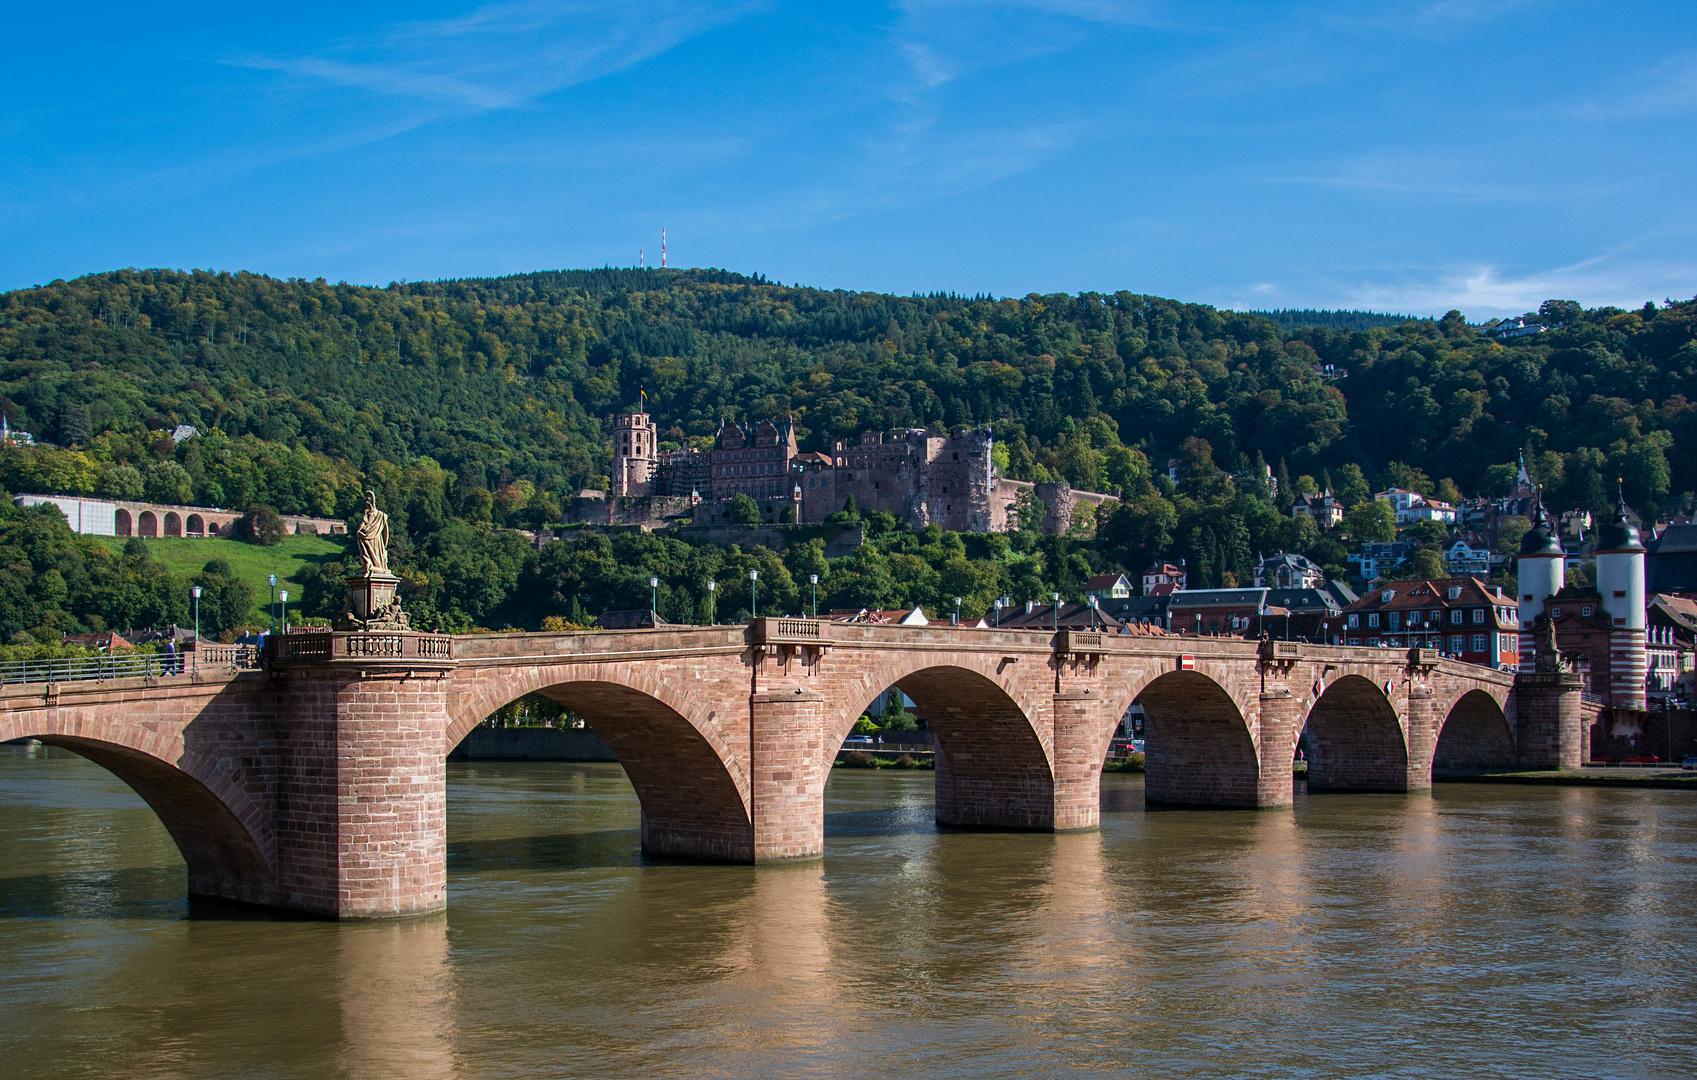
(1198, 747)
(994, 761)
(147, 524)
(1356, 740)
(693, 790)
(220, 830)
(173, 523)
(195, 525)
(1475, 734)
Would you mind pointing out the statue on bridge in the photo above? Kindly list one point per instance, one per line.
(1546, 653)
(373, 534)
(372, 603)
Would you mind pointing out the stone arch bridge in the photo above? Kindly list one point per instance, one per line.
(318, 783)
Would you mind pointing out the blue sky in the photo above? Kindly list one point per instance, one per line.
(1407, 157)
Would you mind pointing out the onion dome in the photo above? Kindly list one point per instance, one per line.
(1619, 534)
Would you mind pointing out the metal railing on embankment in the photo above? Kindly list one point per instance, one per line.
(129, 665)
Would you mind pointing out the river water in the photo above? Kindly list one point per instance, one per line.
(1477, 931)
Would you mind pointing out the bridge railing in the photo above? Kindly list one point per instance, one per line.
(360, 647)
(129, 665)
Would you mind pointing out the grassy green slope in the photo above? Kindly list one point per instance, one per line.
(249, 562)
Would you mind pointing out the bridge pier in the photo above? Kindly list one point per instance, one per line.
(362, 799)
(1280, 721)
(1081, 719)
(1549, 726)
(788, 761)
(362, 807)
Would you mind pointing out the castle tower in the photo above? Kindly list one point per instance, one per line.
(635, 442)
(1542, 566)
(1620, 583)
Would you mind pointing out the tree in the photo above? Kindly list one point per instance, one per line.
(1426, 563)
(262, 525)
(168, 482)
(896, 718)
(1427, 532)
(1351, 484)
(1127, 470)
(225, 600)
(1499, 480)
(1510, 531)
(1370, 520)
(744, 510)
(1407, 477)
(122, 482)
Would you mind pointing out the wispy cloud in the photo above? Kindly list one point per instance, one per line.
(1409, 175)
(1487, 290)
(1666, 88)
(944, 40)
(504, 55)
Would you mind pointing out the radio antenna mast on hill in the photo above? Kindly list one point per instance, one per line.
(640, 265)
(662, 247)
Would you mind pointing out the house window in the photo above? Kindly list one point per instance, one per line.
(1555, 613)
(1373, 619)
(1455, 592)
(1387, 596)
(1394, 620)
(1479, 643)
(1585, 611)
(1455, 616)
(1354, 619)
(1479, 615)
(1455, 643)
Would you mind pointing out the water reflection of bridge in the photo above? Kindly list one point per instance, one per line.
(318, 783)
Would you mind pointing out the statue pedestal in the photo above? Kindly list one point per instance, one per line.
(372, 604)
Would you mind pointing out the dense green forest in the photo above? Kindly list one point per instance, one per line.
(1292, 318)
(475, 404)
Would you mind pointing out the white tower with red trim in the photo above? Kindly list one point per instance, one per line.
(1542, 567)
(1620, 583)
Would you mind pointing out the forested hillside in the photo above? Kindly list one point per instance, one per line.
(480, 403)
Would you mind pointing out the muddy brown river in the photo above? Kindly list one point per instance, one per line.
(1475, 931)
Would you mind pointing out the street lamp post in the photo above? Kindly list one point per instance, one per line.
(654, 595)
(272, 580)
(712, 606)
(283, 609)
(754, 594)
(957, 611)
(1056, 597)
(813, 579)
(195, 592)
